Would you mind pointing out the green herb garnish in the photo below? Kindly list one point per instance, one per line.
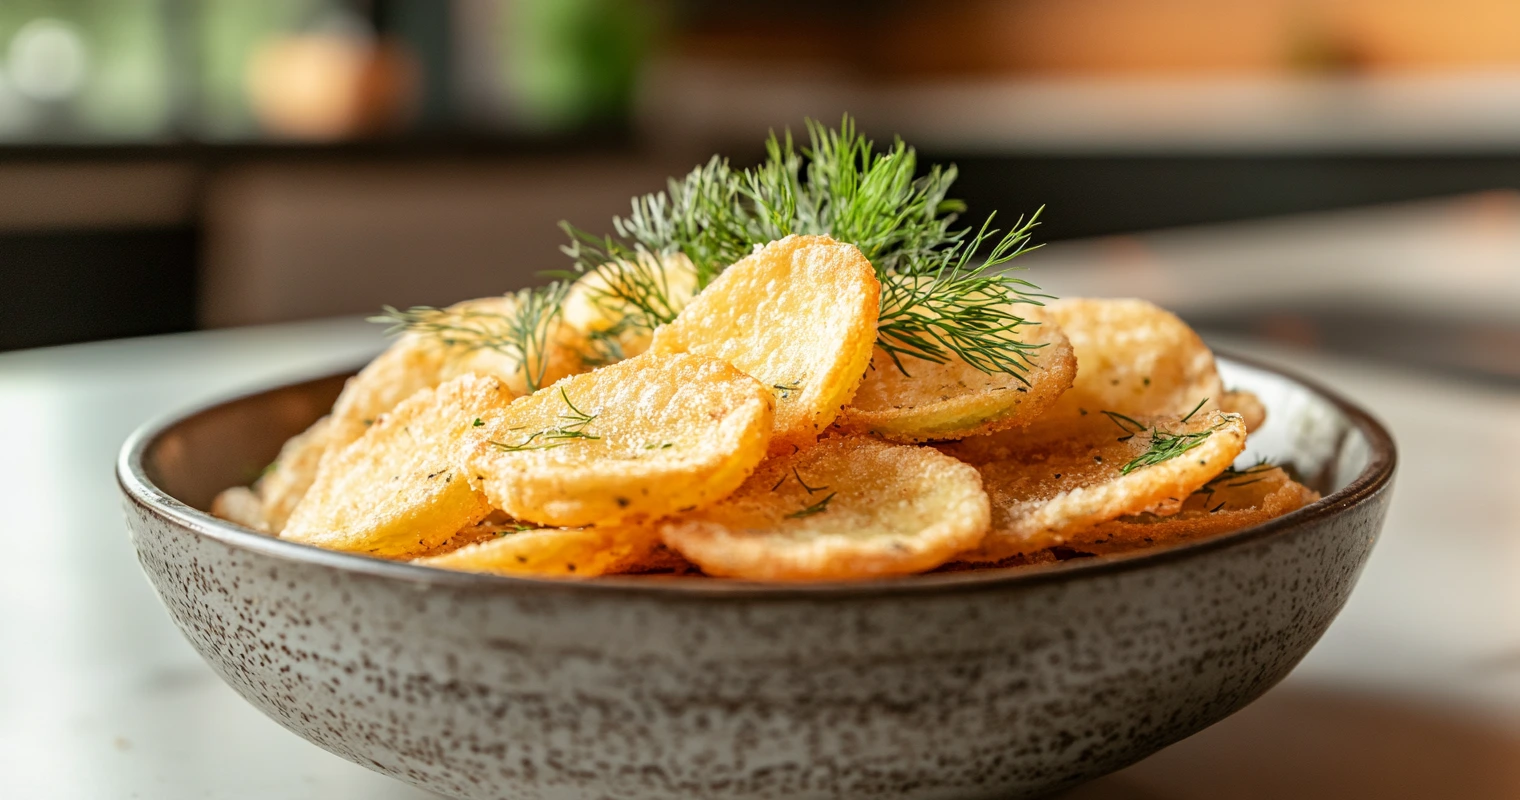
(1164, 445)
(938, 300)
(572, 426)
(522, 333)
(816, 508)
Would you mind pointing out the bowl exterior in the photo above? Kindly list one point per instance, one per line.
(993, 689)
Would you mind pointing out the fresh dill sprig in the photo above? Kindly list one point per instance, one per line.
(1232, 477)
(1129, 425)
(1195, 408)
(807, 488)
(816, 508)
(521, 331)
(938, 301)
(1164, 445)
(786, 389)
(572, 426)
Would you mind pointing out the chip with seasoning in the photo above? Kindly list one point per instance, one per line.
(800, 316)
(915, 400)
(850, 507)
(400, 489)
(644, 437)
(1048, 488)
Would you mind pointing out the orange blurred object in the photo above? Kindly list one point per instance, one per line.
(326, 87)
(1172, 36)
(1095, 37)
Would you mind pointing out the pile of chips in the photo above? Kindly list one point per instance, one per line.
(762, 434)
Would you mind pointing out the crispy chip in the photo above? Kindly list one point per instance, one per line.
(800, 316)
(422, 360)
(1247, 405)
(955, 400)
(647, 436)
(555, 552)
(287, 479)
(240, 505)
(850, 507)
(1230, 502)
(1134, 358)
(1045, 488)
(414, 362)
(563, 355)
(399, 490)
(494, 525)
(614, 328)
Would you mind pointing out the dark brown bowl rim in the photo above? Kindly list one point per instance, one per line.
(132, 478)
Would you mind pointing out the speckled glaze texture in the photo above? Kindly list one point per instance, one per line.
(988, 684)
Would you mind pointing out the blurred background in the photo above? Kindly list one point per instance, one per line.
(1331, 185)
(168, 165)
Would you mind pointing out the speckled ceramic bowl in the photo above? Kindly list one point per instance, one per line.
(980, 684)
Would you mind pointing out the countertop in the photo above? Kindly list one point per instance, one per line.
(1413, 692)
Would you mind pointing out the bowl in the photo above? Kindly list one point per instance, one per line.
(992, 683)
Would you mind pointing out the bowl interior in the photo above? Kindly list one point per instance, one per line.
(1307, 431)
(229, 443)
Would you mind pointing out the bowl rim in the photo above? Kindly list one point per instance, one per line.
(132, 479)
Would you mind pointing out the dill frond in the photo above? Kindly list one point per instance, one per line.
(816, 508)
(523, 332)
(937, 302)
(1165, 446)
(572, 426)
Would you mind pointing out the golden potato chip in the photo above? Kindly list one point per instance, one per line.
(555, 552)
(1247, 405)
(494, 525)
(412, 363)
(481, 336)
(849, 507)
(399, 489)
(287, 479)
(469, 337)
(612, 326)
(800, 316)
(1045, 488)
(240, 505)
(647, 437)
(1133, 358)
(417, 360)
(1233, 500)
(954, 400)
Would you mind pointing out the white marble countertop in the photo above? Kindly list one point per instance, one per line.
(1414, 692)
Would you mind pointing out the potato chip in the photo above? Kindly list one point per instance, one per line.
(1247, 405)
(466, 338)
(286, 480)
(495, 524)
(954, 400)
(612, 326)
(849, 507)
(1046, 488)
(562, 355)
(800, 316)
(399, 489)
(1133, 358)
(415, 361)
(240, 505)
(646, 437)
(1232, 501)
(555, 552)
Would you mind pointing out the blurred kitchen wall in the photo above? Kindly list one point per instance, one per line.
(167, 164)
